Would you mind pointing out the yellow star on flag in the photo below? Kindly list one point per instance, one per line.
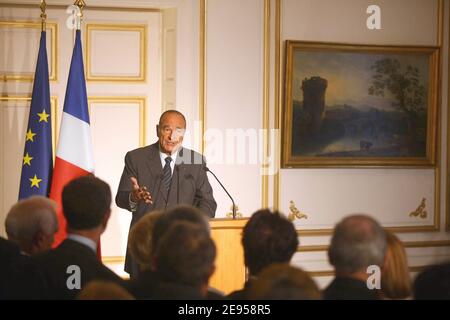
(43, 116)
(27, 159)
(30, 135)
(35, 181)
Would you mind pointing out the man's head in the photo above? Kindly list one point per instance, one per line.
(268, 238)
(358, 242)
(32, 224)
(170, 131)
(185, 255)
(86, 203)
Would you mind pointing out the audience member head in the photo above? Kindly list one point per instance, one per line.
(179, 213)
(103, 290)
(268, 237)
(395, 279)
(86, 203)
(140, 240)
(185, 255)
(433, 283)
(283, 282)
(358, 241)
(32, 223)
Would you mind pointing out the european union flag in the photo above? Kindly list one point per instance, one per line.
(37, 163)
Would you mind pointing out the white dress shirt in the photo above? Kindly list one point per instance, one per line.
(83, 240)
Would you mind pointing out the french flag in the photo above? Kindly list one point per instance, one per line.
(74, 156)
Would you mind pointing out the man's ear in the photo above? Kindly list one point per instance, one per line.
(106, 218)
(213, 269)
(40, 242)
(157, 130)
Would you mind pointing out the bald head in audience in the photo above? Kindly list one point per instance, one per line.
(358, 242)
(32, 223)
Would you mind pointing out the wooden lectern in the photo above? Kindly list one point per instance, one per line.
(230, 271)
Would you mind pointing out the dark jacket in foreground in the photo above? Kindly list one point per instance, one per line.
(54, 264)
(349, 289)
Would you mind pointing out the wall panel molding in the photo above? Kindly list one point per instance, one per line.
(139, 100)
(51, 27)
(107, 75)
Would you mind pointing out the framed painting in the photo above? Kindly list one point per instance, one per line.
(359, 105)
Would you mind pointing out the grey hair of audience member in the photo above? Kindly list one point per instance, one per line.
(28, 217)
(358, 242)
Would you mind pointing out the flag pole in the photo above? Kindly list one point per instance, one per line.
(80, 4)
(43, 6)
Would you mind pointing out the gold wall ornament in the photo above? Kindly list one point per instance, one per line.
(420, 211)
(230, 214)
(295, 213)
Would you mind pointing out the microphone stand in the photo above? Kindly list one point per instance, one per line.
(217, 179)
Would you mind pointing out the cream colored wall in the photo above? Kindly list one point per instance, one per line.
(327, 195)
(236, 98)
(239, 53)
(234, 93)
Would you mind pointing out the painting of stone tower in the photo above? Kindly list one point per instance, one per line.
(314, 101)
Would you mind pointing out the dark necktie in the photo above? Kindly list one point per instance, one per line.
(167, 173)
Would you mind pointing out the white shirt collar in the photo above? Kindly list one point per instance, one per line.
(174, 156)
(83, 240)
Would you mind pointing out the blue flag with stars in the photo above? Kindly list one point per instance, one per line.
(37, 163)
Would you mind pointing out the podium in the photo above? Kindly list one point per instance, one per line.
(230, 273)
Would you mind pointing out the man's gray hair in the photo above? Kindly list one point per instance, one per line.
(358, 242)
(29, 216)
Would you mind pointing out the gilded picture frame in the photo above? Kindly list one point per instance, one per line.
(348, 105)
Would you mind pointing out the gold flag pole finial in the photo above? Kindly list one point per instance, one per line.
(80, 4)
(43, 6)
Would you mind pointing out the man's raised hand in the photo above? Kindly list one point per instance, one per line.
(140, 193)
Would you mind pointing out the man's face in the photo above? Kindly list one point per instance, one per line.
(170, 132)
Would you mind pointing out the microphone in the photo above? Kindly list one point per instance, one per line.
(234, 206)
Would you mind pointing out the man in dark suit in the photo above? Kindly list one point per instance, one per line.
(164, 175)
(9, 254)
(86, 202)
(433, 283)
